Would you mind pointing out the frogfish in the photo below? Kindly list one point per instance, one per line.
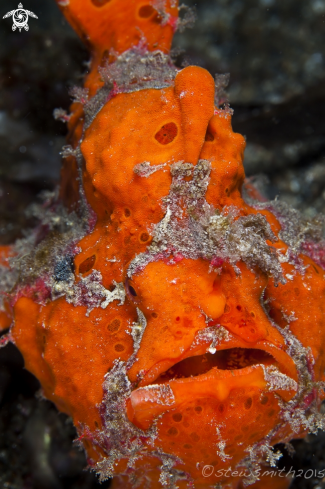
(162, 303)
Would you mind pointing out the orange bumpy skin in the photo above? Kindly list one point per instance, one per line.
(178, 325)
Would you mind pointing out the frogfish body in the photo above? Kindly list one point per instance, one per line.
(179, 325)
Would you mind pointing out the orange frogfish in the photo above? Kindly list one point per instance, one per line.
(180, 325)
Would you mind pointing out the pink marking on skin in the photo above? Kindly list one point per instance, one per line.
(217, 262)
(115, 91)
(178, 257)
(310, 366)
(316, 251)
(37, 291)
(173, 22)
(4, 340)
(309, 399)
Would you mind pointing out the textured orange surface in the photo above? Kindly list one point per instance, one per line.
(209, 329)
(111, 27)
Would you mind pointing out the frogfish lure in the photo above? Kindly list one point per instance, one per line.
(180, 325)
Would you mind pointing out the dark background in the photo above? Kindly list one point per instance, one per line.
(274, 52)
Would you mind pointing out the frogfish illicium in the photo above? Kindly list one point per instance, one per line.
(179, 324)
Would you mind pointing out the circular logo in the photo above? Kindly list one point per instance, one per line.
(207, 470)
(20, 18)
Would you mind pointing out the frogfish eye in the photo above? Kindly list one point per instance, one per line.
(132, 291)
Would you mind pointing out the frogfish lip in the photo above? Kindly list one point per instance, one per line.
(204, 372)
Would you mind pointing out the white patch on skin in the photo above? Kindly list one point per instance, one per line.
(118, 294)
(160, 394)
(277, 380)
(137, 330)
(89, 292)
(145, 169)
